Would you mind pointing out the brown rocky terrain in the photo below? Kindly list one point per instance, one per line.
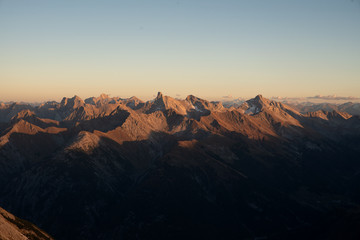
(13, 228)
(112, 168)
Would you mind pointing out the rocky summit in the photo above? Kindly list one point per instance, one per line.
(114, 168)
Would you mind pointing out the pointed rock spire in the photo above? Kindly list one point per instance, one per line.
(261, 100)
(64, 101)
(159, 95)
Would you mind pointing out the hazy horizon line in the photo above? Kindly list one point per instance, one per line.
(228, 98)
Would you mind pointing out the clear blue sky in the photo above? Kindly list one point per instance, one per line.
(294, 48)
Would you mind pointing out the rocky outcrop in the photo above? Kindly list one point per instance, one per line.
(14, 228)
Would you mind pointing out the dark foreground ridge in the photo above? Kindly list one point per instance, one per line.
(14, 228)
(112, 168)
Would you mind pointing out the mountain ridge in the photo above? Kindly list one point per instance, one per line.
(13, 228)
(75, 107)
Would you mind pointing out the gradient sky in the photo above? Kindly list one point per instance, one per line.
(209, 48)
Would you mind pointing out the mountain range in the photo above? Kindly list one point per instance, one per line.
(352, 108)
(112, 168)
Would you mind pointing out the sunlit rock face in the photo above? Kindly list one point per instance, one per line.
(14, 228)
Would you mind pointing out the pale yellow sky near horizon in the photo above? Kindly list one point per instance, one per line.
(211, 49)
(41, 83)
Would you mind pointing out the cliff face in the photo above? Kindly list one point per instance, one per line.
(13, 228)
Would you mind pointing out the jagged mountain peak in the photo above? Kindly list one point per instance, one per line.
(191, 98)
(162, 103)
(84, 141)
(161, 99)
(48, 104)
(74, 102)
(326, 115)
(102, 99)
(76, 98)
(134, 98)
(341, 115)
(189, 106)
(158, 100)
(26, 113)
(133, 102)
(260, 104)
(159, 95)
(260, 100)
(104, 96)
(318, 114)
